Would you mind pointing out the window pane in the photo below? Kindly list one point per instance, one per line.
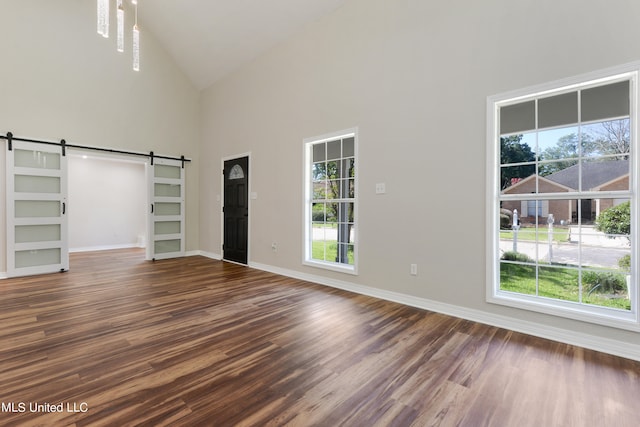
(606, 288)
(346, 212)
(344, 253)
(605, 102)
(319, 171)
(318, 246)
(167, 209)
(518, 278)
(37, 233)
(33, 258)
(517, 148)
(166, 171)
(333, 170)
(606, 138)
(556, 144)
(37, 184)
(553, 233)
(333, 189)
(518, 117)
(319, 154)
(347, 189)
(605, 175)
(166, 190)
(521, 240)
(558, 110)
(351, 165)
(167, 227)
(37, 209)
(562, 211)
(318, 212)
(334, 149)
(558, 177)
(166, 246)
(324, 245)
(319, 190)
(348, 147)
(36, 159)
(613, 220)
(236, 172)
(597, 250)
(332, 212)
(518, 179)
(558, 282)
(351, 259)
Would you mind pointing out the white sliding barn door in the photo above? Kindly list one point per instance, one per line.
(37, 238)
(166, 220)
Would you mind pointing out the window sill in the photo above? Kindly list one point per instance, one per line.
(331, 266)
(604, 316)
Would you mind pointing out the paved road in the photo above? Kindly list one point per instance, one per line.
(596, 250)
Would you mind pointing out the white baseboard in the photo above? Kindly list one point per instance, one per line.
(604, 345)
(105, 247)
(209, 255)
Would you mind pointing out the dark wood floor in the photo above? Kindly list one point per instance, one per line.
(199, 342)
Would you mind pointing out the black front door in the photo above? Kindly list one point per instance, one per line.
(586, 213)
(236, 209)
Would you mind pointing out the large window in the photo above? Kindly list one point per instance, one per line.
(330, 202)
(563, 198)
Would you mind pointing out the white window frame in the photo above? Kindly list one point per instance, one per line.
(628, 320)
(307, 200)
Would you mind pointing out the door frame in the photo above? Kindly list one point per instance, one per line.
(250, 197)
(78, 155)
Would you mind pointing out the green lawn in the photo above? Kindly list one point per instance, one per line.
(560, 234)
(318, 251)
(556, 283)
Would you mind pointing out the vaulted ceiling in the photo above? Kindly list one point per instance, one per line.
(211, 38)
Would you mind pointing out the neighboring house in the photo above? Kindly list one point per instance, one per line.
(595, 176)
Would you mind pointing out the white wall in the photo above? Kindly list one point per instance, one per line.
(107, 203)
(60, 79)
(414, 77)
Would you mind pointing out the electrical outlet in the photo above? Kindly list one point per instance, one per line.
(381, 188)
(274, 247)
(414, 269)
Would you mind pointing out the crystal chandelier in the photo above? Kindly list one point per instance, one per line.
(103, 27)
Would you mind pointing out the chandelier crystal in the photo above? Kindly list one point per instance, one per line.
(120, 26)
(103, 27)
(103, 18)
(136, 39)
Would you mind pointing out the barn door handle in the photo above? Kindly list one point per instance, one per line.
(151, 207)
(64, 208)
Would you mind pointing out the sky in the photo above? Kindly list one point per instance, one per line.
(547, 138)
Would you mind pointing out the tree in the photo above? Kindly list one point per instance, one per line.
(513, 150)
(611, 137)
(600, 139)
(615, 220)
(566, 151)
